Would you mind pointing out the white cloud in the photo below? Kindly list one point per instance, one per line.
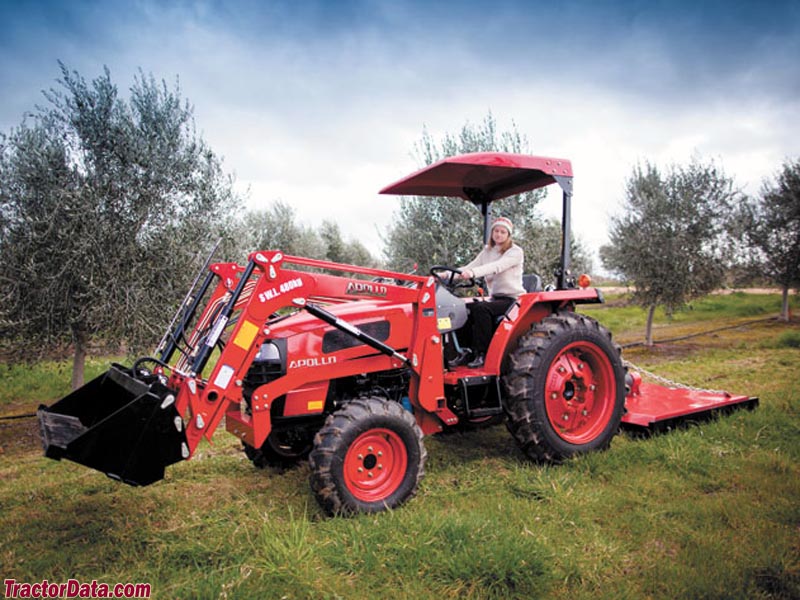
(323, 109)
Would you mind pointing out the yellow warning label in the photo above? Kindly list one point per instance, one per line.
(316, 405)
(444, 323)
(247, 333)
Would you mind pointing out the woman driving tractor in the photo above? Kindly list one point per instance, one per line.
(500, 264)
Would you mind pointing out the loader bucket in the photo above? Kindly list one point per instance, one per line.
(122, 426)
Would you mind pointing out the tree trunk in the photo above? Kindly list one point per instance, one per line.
(785, 316)
(649, 331)
(79, 341)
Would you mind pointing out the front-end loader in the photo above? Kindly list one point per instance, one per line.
(346, 366)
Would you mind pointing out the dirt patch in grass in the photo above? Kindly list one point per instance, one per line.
(662, 352)
(19, 436)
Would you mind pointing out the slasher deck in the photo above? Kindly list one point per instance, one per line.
(657, 407)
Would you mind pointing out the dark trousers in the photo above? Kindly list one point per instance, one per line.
(483, 321)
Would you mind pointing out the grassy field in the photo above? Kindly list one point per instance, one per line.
(712, 511)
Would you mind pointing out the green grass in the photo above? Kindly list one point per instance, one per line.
(711, 511)
(788, 339)
(26, 385)
(629, 320)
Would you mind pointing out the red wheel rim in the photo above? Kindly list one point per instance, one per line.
(375, 465)
(580, 392)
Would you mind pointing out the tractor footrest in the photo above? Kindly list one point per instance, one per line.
(478, 395)
(485, 412)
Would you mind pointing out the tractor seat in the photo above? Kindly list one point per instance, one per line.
(532, 283)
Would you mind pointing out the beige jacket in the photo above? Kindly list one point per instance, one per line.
(503, 272)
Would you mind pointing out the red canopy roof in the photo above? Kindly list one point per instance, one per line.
(482, 176)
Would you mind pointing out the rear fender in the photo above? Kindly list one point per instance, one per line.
(529, 309)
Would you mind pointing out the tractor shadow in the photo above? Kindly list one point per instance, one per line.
(472, 444)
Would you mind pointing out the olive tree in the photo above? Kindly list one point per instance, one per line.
(105, 203)
(276, 228)
(669, 241)
(771, 225)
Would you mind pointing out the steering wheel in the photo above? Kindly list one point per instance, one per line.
(439, 272)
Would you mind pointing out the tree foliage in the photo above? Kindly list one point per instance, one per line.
(669, 242)
(449, 231)
(771, 226)
(104, 205)
(277, 228)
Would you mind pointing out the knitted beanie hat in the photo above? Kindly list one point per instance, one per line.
(504, 222)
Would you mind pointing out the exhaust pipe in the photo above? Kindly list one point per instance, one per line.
(118, 424)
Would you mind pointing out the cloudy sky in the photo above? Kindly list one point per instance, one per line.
(320, 103)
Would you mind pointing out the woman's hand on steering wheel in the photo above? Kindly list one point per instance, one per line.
(451, 282)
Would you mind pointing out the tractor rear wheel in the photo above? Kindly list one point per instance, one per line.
(368, 457)
(565, 388)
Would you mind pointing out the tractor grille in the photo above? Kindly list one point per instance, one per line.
(269, 364)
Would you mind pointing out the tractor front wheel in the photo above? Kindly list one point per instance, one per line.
(368, 457)
(565, 388)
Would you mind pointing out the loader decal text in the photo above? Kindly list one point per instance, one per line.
(286, 286)
(362, 288)
(302, 363)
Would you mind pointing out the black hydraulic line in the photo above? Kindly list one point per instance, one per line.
(354, 331)
(146, 359)
(221, 321)
(176, 335)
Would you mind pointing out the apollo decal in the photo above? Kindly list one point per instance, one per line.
(302, 363)
(364, 288)
(286, 286)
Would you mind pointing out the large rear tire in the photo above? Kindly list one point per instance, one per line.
(368, 457)
(565, 388)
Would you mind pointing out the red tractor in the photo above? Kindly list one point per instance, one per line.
(349, 370)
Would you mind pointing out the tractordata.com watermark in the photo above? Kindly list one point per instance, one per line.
(75, 589)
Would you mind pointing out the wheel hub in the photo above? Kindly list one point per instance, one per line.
(375, 465)
(580, 392)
